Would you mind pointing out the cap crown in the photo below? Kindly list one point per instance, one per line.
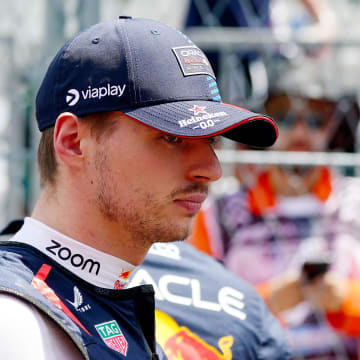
(122, 64)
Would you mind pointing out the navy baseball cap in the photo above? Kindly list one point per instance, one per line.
(153, 73)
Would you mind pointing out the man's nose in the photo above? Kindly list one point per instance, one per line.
(203, 163)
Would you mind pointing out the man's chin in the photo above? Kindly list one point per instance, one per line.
(179, 235)
(174, 229)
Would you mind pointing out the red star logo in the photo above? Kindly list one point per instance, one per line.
(198, 109)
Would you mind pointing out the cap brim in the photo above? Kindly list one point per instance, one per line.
(201, 119)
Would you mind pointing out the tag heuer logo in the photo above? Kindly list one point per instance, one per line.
(112, 336)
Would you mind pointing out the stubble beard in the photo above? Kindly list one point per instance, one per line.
(144, 217)
(146, 225)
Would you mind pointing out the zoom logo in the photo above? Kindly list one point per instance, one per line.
(76, 260)
(72, 97)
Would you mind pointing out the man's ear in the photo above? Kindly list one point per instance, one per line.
(67, 138)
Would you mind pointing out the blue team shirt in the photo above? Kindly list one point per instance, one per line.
(203, 311)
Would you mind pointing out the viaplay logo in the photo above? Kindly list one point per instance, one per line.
(73, 95)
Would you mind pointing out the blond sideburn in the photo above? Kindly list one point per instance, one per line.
(101, 125)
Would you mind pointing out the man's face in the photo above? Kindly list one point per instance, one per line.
(148, 184)
(304, 124)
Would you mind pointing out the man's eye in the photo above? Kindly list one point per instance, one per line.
(171, 139)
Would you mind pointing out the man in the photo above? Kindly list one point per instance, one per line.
(129, 111)
(292, 231)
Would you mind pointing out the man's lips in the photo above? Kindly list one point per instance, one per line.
(191, 202)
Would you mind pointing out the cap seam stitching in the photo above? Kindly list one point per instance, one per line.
(129, 64)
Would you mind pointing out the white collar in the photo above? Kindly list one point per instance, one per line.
(93, 266)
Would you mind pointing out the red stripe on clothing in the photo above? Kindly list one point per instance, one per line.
(38, 282)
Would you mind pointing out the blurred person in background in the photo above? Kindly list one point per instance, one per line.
(204, 311)
(293, 231)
